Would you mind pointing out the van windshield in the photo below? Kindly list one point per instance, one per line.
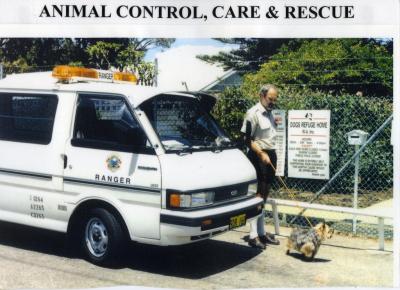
(182, 124)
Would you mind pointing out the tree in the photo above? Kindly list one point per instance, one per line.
(45, 53)
(146, 72)
(37, 52)
(42, 54)
(107, 55)
(103, 54)
(143, 44)
(251, 53)
(330, 65)
(230, 110)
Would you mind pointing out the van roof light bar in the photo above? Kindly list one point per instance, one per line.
(68, 74)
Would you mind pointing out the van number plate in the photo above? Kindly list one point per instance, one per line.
(237, 221)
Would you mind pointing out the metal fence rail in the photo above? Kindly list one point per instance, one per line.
(275, 203)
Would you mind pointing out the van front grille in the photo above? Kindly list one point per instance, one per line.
(230, 192)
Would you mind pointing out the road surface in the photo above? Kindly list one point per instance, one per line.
(32, 258)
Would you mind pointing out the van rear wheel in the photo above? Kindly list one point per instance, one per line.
(102, 239)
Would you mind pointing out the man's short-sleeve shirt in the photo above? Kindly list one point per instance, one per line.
(263, 126)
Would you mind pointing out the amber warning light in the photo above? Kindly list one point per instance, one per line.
(65, 73)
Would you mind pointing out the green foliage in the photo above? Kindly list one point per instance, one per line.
(230, 109)
(146, 72)
(36, 52)
(16, 66)
(106, 55)
(42, 54)
(249, 55)
(329, 65)
(348, 112)
(129, 57)
(103, 54)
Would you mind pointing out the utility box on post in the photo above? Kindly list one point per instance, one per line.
(357, 137)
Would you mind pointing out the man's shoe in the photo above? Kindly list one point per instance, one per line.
(263, 239)
(256, 243)
(269, 239)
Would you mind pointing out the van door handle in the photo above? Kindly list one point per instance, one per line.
(65, 159)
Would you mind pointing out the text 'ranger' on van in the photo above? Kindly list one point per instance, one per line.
(92, 154)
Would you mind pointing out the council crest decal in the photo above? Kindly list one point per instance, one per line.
(113, 163)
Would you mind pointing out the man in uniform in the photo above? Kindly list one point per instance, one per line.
(259, 129)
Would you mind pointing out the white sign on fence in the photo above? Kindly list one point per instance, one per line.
(280, 119)
(308, 144)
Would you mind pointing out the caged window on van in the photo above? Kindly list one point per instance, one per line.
(182, 122)
(27, 118)
(106, 123)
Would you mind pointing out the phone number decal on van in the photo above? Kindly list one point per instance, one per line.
(36, 207)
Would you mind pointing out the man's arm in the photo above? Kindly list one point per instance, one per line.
(254, 146)
(260, 153)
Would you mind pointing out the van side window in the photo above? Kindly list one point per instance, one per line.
(105, 122)
(27, 118)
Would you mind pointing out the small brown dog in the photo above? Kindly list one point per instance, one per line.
(308, 241)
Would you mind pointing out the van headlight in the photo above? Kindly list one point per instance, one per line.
(252, 189)
(190, 200)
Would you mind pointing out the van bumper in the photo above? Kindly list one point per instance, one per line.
(180, 227)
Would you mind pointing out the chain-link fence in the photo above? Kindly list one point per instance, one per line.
(371, 188)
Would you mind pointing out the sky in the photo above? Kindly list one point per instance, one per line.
(187, 41)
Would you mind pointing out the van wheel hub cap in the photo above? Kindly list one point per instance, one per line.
(96, 237)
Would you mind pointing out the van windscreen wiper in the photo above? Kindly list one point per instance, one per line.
(185, 149)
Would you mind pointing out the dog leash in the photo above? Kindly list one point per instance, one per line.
(292, 196)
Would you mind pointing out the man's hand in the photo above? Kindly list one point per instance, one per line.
(260, 153)
(264, 158)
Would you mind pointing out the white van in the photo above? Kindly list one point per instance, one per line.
(93, 155)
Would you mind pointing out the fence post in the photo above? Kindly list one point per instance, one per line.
(355, 197)
(381, 233)
(275, 216)
(284, 218)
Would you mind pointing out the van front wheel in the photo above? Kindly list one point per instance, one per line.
(102, 237)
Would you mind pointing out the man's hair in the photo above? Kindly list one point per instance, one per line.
(265, 88)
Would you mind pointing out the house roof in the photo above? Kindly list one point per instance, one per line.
(213, 85)
(180, 65)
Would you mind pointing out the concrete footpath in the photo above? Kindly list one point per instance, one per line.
(33, 258)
